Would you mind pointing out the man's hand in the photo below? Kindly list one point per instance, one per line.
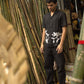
(41, 48)
(59, 49)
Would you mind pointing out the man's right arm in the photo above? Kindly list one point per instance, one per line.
(42, 42)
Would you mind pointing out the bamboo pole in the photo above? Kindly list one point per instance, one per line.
(29, 50)
(71, 46)
(78, 74)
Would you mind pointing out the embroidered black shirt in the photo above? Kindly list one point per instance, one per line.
(53, 26)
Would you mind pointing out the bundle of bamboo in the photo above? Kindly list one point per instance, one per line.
(26, 16)
(70, 46)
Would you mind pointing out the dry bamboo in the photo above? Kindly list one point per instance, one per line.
(70, 43)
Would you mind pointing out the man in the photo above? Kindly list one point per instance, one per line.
(54, 32)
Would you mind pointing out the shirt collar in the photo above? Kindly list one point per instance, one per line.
(56, 11)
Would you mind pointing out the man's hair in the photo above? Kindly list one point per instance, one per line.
(48, 1)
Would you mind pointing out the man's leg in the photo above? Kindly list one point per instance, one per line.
(60, 61)
(48, 65)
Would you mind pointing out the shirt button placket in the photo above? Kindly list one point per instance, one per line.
(50, 22)
(51, 29)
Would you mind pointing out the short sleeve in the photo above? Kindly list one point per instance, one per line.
(63, 20)
(43, 25)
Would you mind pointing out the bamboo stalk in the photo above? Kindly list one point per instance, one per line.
(29, 50)
(33, 21)
(17, 23)
(71, 46)
(78, 74)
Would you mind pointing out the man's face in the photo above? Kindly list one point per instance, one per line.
(51, 6)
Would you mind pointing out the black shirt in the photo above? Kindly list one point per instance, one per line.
(53, 26)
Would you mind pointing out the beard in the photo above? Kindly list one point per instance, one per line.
(52, 10)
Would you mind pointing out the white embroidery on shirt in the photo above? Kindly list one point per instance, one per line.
(55, 36)
(47, 36)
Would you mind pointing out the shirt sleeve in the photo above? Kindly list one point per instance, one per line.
(43, 25)
(63, 20)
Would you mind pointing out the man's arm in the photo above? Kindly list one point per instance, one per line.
(42, 42)
(63, 35)
(59, 49)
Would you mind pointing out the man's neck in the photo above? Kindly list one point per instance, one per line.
(52, 12)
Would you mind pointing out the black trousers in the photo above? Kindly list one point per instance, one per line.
(50, 54)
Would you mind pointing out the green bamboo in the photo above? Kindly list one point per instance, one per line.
(37, 68)
(78, 74)
(28, 47)
(27, 20)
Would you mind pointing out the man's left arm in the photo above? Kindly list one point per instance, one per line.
(59, 48)
(63, 35)
(63, 24)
